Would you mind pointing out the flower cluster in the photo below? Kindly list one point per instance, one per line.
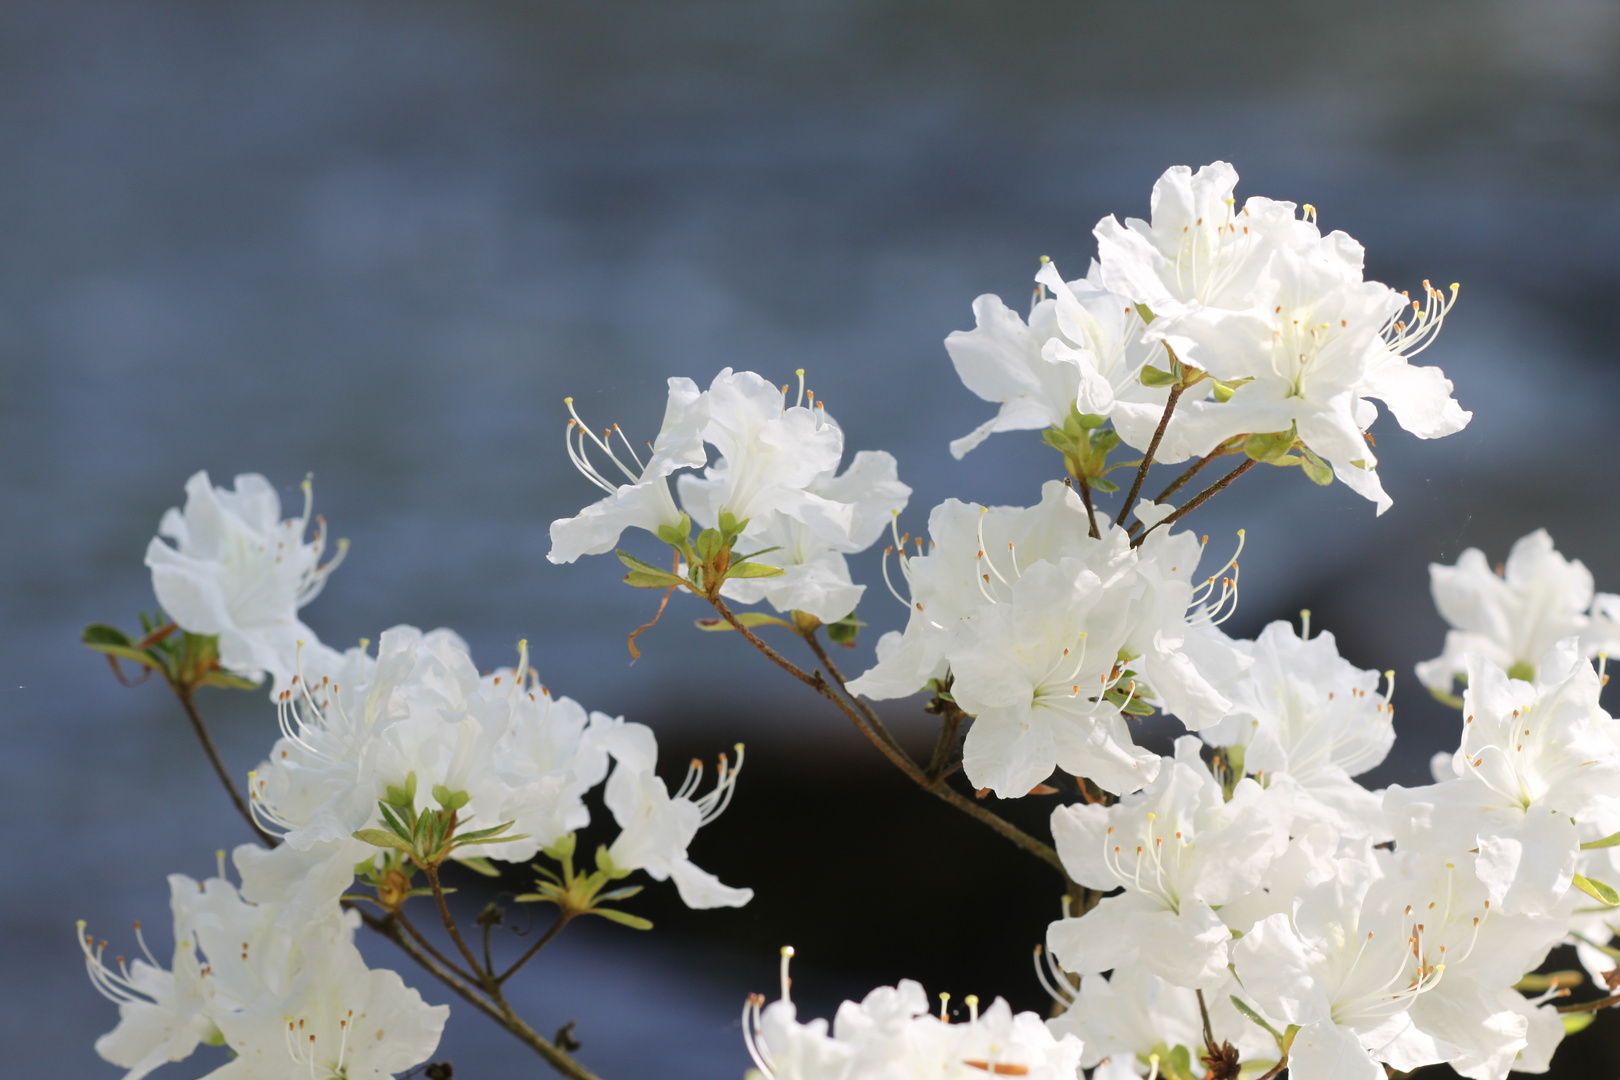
(775, 477)
(1262, 327)
(387, 767)
(892, 1034)
(1240, 906)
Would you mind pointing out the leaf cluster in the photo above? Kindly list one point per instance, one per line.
(577, 893)
(430, 837)
(185, 660)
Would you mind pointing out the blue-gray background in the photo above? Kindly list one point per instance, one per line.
(380, 242)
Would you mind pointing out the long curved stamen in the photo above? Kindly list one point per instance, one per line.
(1046, 982)
(640, 468)
(694, 776)
(603, 445)
(753, 1039)
(887, 551)
(983, 556)
(1408, 339)
(787, 982)
(580, 461)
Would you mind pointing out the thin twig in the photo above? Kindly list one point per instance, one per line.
(1193, 470)
(485, 978)
(950, 723)
(1147, 459)
(545, 939)
(501, 1013)
(893, 752)
(1591, 1006)
(201, 729)
(1085, 497)
(1275, 1069)
(1203, 1012)
(428, 947)
(1199, 499)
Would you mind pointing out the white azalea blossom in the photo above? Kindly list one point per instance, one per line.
(643, 501)
(830, 516)
(1181, 850)
(656, 827)
(1304, 711)
(891, 1033)
(290, 1000)
(1003, 360)
(237, 570)
(1512, 617)
(1535, 774)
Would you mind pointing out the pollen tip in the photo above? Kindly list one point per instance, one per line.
(787, 950)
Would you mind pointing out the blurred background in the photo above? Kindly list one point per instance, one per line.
(381, 242)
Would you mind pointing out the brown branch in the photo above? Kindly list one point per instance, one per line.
(1591, 1006)
(901, 760)
(1179, 482)
(950, 723)
(1199, 499)
(1147, 459)
(1275, 1069)
(201, 729)
(428, 947)
(486, 979)
(1203, 1012)
(545, 939)
(500, 1012)
(1085, 497)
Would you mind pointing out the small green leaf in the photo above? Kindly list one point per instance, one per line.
(1522, 671)
(1145, 312)
(845, 630)
(98, 634)
(1179, 1063)
(1446, 699)
(228, 681)
(383, 838)
(450, 800)
(735, 559)
(638, 579)
(478, 865)
(710, 542)
(753, 570)
(747, 618)
(1574, 1022)
(1152, 376)
(1597, 890)
(1319, 471)
(1270, 446)
(1611, 840)
(1255, 1017)
(623, 918)
(1101, 484)
(562, 848)
(621, 894)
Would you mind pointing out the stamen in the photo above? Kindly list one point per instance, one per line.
(787, 983)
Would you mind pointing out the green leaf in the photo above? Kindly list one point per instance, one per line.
(1270, 446)
(1152, 376)
(1255, 1017)
(1101, 484)
(1597, 890)
(735, 559)
(752, 570)
(563, 847)
(1608, 841)
(113, 642)
(1318, 470)
(623, 918)
(479, 835)
(478, 865)
(845, 630)
(1089, 420)
(644, 575)
(710, 542)
(1145, 312)
(450, 800)
(382, 838)
(747, 618)
(676, 535)
(621, 894)
(1574, 1022)
(1446, 699)
(230, 682)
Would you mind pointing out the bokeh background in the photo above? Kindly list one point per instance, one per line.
(380, 242)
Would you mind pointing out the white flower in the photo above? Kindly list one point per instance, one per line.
(1003, 361)
(1470, 1015)
(290, 999)
(655, 827)
(1304, 711)
(1512, 618)
(1108, 351)
(769, 455)
(1180, 850)
(1537, 770)
(644, 502)
(418, 710)
(890, 1035)
(238, 571)
(1300, 358)
(833, 515)
(1198, 251)
(1341, 966)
